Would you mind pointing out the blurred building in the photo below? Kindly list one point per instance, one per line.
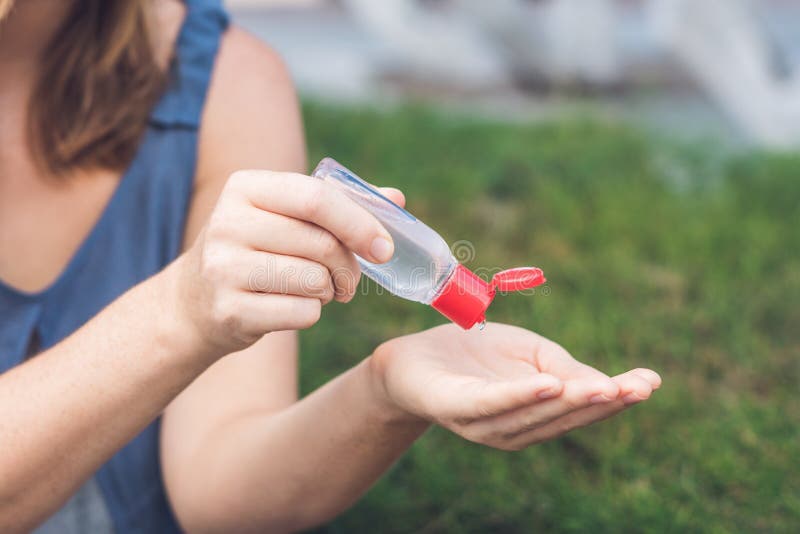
(728, 62)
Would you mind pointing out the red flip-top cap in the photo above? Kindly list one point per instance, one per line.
(465, 296)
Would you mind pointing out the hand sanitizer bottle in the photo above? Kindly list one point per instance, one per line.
(422, 268)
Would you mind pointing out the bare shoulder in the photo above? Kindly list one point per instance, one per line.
(252, 110)
(245, 56)
(251, 120)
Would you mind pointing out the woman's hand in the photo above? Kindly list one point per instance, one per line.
(505, 387)
(276, 248)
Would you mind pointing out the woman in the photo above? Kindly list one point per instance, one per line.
(146, 385)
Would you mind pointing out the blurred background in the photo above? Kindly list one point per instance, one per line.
(644, 153)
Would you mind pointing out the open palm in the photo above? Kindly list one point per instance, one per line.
(505, 386)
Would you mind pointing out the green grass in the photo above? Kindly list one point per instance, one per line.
(658, 255)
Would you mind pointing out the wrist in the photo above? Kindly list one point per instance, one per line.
(389, 411)
(174, 328)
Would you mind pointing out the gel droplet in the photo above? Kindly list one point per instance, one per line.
(481, 325)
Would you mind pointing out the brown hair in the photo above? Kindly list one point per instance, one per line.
(98, 83)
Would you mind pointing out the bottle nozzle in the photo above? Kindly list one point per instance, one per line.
(518, 279)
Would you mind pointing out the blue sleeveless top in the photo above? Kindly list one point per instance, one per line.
(138, 234)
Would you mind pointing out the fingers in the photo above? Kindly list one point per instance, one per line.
(287, 275)
(565, 424)
(254, 271)
(249, 315)
(635, 386)
(463, 400)
(577, 394)
(553, 358)
(278, 234)
(653, 378)
(312, 200)
(584, 382)
(475, 399)
(515, 433)
(292, 312)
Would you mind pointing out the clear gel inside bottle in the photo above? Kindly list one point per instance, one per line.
(422, 261)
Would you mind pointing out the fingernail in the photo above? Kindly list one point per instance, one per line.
(547, 393)
(381, 249)
(630, 398)
(599, 399)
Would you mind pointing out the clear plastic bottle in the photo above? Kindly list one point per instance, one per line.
(423, 269)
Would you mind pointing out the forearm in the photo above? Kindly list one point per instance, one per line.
(293, 469)
(67, 410)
